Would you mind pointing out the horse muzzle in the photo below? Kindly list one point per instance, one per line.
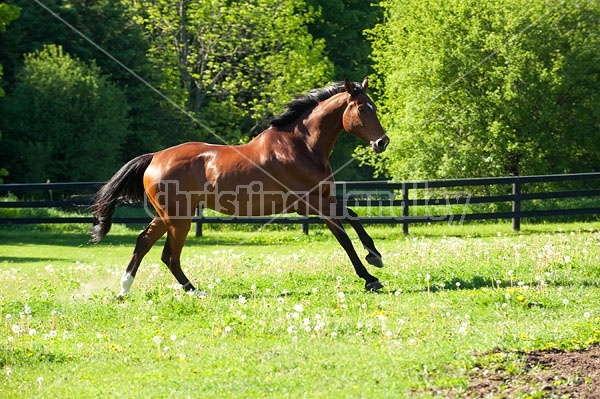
(380, 144)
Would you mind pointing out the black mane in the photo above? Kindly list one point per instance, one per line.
(303, 103)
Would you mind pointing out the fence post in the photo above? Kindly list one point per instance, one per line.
(199, 221)
(305, 226)
(405, 208)
(516, 206)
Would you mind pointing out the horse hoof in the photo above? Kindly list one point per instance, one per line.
(120, 297)
(374, 260)
(373, 286)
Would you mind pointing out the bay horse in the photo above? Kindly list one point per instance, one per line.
(283, 169)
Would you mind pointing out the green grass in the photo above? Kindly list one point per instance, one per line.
(287, 317)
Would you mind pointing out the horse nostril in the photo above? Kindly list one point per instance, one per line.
(382, 142)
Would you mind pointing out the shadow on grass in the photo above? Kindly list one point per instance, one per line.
(476, 283)
(20, 235)
(29, 259)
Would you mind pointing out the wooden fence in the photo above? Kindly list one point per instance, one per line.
(384, 202)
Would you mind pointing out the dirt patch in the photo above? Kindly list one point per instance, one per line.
(538, 374)
(548, 374)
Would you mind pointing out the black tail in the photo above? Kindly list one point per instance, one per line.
(126, 185)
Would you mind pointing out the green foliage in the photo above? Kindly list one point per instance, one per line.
(233, 67)
(7, 14)
(342, 24)
(64, 120)
(108, 24)
(489, 88)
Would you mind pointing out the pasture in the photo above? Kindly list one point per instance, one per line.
(288, 318)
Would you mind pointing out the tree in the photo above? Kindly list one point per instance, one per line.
(233, 67)
(63, 121)
(8, 13)
(342, 25)
(109, 24)
(476, 88)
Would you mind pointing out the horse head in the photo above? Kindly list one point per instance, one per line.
(360, 117)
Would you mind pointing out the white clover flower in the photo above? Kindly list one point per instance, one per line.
(157, 340)
(16, 328)
(173, 337)
(299, 308)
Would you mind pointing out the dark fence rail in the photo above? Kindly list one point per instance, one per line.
(386, 202)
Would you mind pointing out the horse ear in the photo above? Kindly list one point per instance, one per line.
(365, 83)
(349, 86)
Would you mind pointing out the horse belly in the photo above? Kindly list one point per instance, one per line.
(246, 201)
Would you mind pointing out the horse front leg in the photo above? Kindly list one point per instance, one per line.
(336, 227)
(374, 256)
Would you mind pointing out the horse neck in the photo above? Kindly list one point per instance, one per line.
(324, 124)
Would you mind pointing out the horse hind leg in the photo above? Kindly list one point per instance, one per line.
(171, 255)
(145, 241)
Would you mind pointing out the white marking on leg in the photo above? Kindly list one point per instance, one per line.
(126, 283)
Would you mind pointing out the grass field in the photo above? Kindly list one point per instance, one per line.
(286, 316)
